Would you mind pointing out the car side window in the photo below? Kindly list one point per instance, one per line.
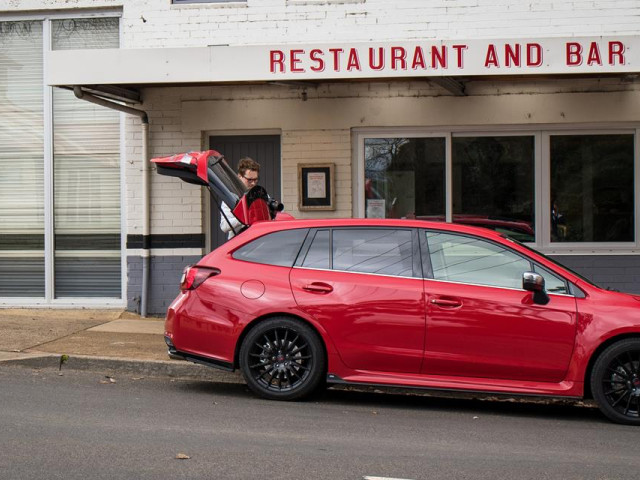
(279, 248)
(318, 254)
(383, 251)
(468, 259)
(552, 283)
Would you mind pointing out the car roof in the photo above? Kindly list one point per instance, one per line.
(264, 227)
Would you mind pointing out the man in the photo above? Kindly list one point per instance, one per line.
(249, 174)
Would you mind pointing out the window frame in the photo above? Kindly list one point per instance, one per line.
(48, 192)
(542, 175)
(416, 255)
(427, 266)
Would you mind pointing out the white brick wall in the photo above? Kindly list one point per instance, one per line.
(154, 23)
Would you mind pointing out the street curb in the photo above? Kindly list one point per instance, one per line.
(169, 368)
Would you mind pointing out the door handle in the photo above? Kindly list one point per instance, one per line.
(445, 302)
(317, 287)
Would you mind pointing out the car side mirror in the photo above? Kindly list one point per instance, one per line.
(534, 282)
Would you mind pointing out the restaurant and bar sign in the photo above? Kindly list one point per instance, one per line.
(229, 63)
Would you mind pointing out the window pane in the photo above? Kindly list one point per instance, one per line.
(86, 151)
(404, 176)
(280, 248)
(592, 188)
(382, 251)
(461, 258)
(493, 184)
(318, 254)
(21, 160)
(552, 283)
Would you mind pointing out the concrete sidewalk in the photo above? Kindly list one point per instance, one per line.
(104, 340)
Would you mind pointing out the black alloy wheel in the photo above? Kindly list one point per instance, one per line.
(282, 359)
(615, 382)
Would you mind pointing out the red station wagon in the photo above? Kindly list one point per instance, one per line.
(405, 303)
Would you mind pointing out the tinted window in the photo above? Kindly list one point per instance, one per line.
(382, 251)
(280, 248)
(318, 254)
(461, 258)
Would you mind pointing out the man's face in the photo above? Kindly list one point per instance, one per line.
(250, 178)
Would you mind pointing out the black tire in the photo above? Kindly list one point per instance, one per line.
(615, 382)
(283, 359)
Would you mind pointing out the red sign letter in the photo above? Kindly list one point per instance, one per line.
(295, 61)
(316, 56)
(398, 54)
(574, 54)
(616, 49)
(594, 55)
(277, 60)
(372, 63)
(459, 51)
(354, 60)
(534, 55)
(491, 59)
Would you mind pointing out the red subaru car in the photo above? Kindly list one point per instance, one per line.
(408, 303)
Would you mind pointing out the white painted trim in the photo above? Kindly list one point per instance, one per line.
(49, 264)
(29, 302)
(60, 15)
(123, 208)
(166, 252)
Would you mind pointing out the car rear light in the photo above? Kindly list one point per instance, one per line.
(194, 276)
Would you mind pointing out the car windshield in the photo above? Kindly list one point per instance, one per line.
(555, 262)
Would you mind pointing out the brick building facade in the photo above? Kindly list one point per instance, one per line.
(528, 121)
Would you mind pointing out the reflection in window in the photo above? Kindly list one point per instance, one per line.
(404, 177)
(318, 254)
(592, 196)
(382, 251)
(279, 248)
(552, 283)
(493, 184)
(461, 258)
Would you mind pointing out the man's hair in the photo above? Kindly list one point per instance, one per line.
(247, 163)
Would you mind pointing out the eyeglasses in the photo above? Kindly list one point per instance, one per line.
(251, 180)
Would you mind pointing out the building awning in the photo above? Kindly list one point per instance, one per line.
(446, 62)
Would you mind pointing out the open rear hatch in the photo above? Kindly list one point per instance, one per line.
(210, 169)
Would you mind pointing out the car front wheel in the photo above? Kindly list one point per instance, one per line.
(282, 359)
(615, 382)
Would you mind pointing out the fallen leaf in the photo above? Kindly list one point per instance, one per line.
(183, 456)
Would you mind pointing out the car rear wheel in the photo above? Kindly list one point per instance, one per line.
(615, 382)
(282, 359)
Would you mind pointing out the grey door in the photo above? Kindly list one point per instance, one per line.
(264, 149)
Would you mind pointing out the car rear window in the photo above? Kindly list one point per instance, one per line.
(278, 248)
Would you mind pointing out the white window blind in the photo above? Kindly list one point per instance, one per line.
(86, 159)
(21, 160)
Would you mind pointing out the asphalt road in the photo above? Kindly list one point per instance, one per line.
(81, 425)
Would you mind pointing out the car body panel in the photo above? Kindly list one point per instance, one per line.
(376, 322)
(498, 333)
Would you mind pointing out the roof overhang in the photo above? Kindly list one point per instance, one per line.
(447, 63)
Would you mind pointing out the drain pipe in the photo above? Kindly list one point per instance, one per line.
(77, 90)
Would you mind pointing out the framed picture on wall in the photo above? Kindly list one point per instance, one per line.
(316, 187)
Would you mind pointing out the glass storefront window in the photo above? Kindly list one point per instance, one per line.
(592, 189)
(405, 177)
(21, 160)
(86, 159)
(493, 183)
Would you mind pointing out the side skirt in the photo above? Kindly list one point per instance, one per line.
(569, 390)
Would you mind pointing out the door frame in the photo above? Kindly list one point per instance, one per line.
(204, 141)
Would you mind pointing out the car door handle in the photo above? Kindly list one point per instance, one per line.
(446, 302)
(317, 287)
